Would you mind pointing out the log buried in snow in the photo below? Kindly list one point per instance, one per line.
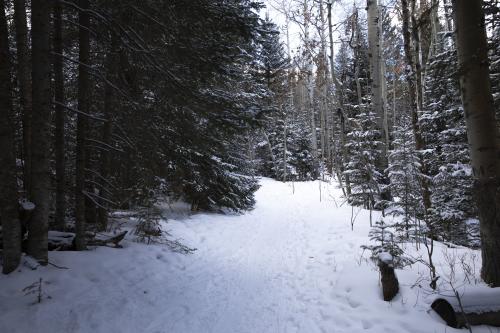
(477, 306)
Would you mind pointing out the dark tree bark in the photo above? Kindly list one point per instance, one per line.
(82, 123)
(110, 104)
(23, 76)
(11, 228)
(388, 279)
(40, 138)
(482, 132)
(59, 118)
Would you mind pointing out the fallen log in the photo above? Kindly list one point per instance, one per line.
(475, 306)
(115, 240)
(64, 241)
(60, 241)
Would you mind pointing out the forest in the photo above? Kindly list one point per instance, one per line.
(148, 124)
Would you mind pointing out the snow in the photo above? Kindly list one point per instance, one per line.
(27, 205)
(290, 265)
(385, 257)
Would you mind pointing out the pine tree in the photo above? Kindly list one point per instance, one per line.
(272, 66)
(447, 154)
(403, 172)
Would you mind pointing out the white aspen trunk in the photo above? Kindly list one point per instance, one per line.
(291, 104)
(357, 51)
(326, 86)
(482, 133)
(375, 59)
(384, 88)
(339, 104)
(394, 119)
(285, 148)
(309, 83)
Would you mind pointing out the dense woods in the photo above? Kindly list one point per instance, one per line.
(108, 105)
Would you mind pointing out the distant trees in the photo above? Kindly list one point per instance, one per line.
(396, 122)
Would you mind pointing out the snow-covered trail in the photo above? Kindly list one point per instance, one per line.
(293, 264)
(277, 268)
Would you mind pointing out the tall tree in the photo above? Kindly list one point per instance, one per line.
(376, 77)
(24, 79)
(110, 105)
(40, 138)
(59, 117)
(11, 228)
(412, 100)
(82, 122)
(482, 131)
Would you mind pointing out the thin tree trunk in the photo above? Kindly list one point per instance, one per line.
(340, 109)
(417, 49)
(23, 76)
(82, 123)
(448, 16)
(11, 227)
(410, 79)
(40, 138)
(325, 137)
(482, 132)
(285, 134)
(59, 131)
(309, 84)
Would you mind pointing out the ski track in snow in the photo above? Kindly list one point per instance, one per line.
(290, 265)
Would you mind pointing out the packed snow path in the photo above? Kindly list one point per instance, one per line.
(293, 264)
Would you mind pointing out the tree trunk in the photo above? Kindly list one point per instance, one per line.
(417, 51)
(59, 132)
(482, 132)
(375, 57)
(11, 228)
(412, 101)
(110, 105)
(40, 135)
(23, 76)
(309, 85)
(448, 16)
(82, 123)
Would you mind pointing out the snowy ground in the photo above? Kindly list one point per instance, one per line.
(291, 265)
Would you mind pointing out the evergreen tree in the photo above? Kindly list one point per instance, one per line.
(272, 66)
(447, 154)
(403, 172)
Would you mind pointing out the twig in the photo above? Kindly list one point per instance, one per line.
(56, 266)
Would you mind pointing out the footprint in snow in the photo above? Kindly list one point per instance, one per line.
(354, 304)
(366, 324)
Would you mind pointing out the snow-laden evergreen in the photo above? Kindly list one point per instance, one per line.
(447, 153)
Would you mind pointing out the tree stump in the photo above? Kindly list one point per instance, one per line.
(390, 284)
